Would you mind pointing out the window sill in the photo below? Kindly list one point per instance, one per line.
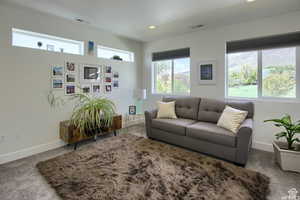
(274, 100)
(170, 94)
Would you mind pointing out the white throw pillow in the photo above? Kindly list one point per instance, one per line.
(166, 110)
(232, 119)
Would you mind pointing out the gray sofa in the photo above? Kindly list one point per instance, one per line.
(196, 128)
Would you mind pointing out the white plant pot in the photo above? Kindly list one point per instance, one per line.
(288, 160)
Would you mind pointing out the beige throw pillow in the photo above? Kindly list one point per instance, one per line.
(166, 110)
(232, 119)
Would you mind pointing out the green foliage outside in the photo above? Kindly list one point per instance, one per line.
(278, 81)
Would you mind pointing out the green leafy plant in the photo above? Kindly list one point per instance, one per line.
(92, 113)
(291, 129)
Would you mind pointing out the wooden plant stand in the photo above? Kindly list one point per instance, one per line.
(70, 135)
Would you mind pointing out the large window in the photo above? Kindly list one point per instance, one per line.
(262, 73)
(22, 38)
(172, 76)
(116, 54)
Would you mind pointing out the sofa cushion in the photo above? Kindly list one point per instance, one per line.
(210, 110)
(212, 133)
(185, 107)
(176, 126)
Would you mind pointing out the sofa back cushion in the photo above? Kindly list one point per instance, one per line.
(210, 110)
(185, 107)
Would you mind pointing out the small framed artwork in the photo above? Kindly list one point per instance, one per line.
(90, 73)
(108, 88)
(108, 79)
(115, 75)
(70, 67)
(70, 78)
(57, 71)
(207, 72)
(86, 89)
(70, 89)
(96, 88)
(132, 110)
(108, 69)
(116, 84)
(57, 83)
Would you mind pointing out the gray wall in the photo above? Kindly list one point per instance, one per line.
(27, 123)
(210, 45)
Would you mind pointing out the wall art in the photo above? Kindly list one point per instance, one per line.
(70, 89)
(57, 83)
(90, 73)
(57, 71)
(70, 78)
(70, 67)
(207, 72)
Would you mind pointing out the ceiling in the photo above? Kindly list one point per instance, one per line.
(131, 18)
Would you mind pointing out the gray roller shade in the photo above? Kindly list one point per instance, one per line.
(173, 54)
(276, 41)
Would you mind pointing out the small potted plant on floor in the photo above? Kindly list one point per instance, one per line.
(287, 154)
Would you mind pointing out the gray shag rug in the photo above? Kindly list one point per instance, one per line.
(131, 167)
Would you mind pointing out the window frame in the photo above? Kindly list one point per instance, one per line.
(46, 36)
(154, 73)
(259, 78)
(130, 53)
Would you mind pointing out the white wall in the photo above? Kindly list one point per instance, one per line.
(210, 45)
(27, 123)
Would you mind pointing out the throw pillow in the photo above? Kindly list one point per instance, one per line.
(166, 110)
(232, 119)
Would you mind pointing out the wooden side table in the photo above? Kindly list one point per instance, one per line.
(70, 135)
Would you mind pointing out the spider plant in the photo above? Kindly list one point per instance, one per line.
(291, 129)
(91, 113)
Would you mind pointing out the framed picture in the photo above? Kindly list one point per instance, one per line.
(70, 89)
(108, 88)
(86, 88)
(90, 73)
(115, 75)
(70, 78)
(57, 83)
(108, 79)
(70, 67)
(57, 71)
(132, 110)
(108, 69)
(207, 72)
(96, 88)
(116, 84)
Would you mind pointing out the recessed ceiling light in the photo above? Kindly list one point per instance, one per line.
(152, 27)
(249, 1)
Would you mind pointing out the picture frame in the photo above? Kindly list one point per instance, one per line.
(115, 75)
(70, 89)
(70, 67)
(108, 88)
(90, 73)
(86, 88)
(206, 71)
(57, 71)
(132, 110)
(96, 88)
(57, 83)
(108, 79)
(115, 84)
(70, 78)
(108, 69)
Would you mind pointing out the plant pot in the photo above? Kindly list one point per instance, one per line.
(288, 160)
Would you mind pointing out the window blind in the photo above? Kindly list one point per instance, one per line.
(173, 54)
(276, 41)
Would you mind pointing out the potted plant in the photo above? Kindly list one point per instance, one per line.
(91, 114)
(287, 154)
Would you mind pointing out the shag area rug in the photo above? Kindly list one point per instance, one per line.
(136, 168)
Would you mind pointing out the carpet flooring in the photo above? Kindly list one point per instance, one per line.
(21, 180)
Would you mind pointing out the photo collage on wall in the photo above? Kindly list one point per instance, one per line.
(92, 80)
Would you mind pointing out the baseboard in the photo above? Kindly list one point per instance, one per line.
(262, 146)
(5, 158)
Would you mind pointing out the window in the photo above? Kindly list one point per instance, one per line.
(262, 73)
(22, 38)
(116, 54)
(172, 76)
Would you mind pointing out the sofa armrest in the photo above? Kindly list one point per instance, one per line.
(149, 115)
(244, 141)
